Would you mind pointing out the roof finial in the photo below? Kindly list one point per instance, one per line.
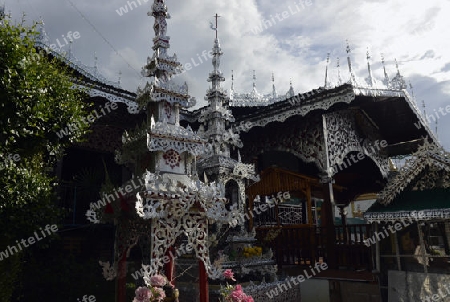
(386, 80)
(216, 16)
(436, 130)
(95, 61)
(120, 77)
(291, 92)
(398, 82)
(232, 86)
(274, 91)
(423, 106)
(326, 71)
(232, 80)
(254, 79)
(339, 72)
(370, 80)
(352, 76)
(412, 90)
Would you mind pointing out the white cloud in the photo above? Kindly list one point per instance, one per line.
(295, 47)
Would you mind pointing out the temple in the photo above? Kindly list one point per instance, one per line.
(254, 170)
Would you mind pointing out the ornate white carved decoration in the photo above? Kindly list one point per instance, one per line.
(255, 98)
(224, 113)
(342, 138)
(179, 204)
(428, 157)
(109, 272)
(245, 171)
(301, 109)
(113, 96)
(159, 91)
(164, 137)
(305, 141)
(427, 214)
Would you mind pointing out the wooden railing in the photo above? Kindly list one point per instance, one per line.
(305, 245)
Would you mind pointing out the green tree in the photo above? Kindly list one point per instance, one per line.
(37, 99)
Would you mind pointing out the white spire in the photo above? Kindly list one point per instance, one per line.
(398, 82)
(290, 92)
(386, 80)
(326, 84)
(370, 80)
(232, 86)
(352, 76)
(338, 72)
(274, 91)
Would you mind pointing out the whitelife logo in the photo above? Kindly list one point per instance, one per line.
(414, 216)
(90, 119)
(71, 36)
(9, 158)
(31, 240)
(268, 23)
(124, 9)
(318, 267)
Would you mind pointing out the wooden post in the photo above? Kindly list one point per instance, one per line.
(169, 268)
(309, 204)
(122, 279)
(328, 224)
(377, 251)
(203, 282)
(328, 203)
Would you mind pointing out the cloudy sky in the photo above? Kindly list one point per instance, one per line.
(290, 38)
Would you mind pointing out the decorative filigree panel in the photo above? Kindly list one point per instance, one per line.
(290, 215)
(115, 97)
(303, 139)
(343, 137)
(172, 158)
(430, 161)
(179, 204)
(300, 107)
(103, 138)
(165, 137)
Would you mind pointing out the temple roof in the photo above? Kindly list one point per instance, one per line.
(422, 184)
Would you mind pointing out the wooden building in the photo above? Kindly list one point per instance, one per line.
(412, 228)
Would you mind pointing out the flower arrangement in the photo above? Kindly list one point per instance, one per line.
(249, 252)
(232, 293)
(157, 292)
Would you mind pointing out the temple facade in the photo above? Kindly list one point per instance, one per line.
(276, 165)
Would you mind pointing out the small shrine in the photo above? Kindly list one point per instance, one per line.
(412, 227)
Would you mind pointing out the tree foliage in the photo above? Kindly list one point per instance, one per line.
(37, 98)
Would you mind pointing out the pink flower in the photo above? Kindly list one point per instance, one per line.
(158, 280)
(159, 293)
(228, 274)
(249, 299)
(143, 294)
(238, 295)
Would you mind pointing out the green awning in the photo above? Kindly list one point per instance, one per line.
(417, 205)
